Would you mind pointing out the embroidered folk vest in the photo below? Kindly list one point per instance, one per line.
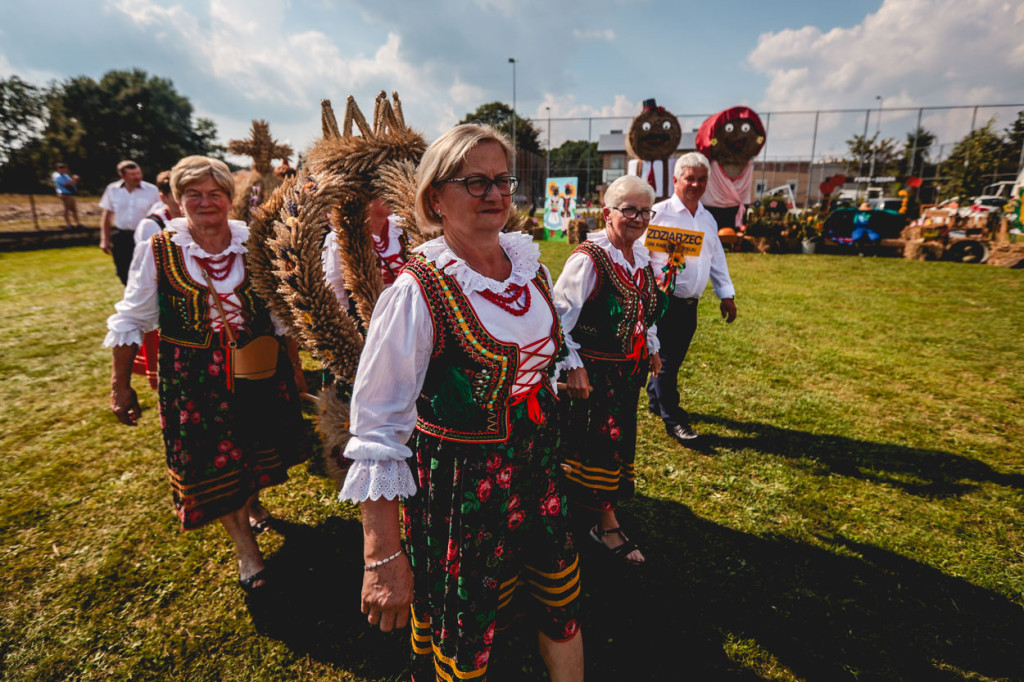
(605, 329)
(469, 379)
(184, 303)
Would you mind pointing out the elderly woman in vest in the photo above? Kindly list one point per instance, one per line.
(453, 411)
(608, 302)
(226, 436)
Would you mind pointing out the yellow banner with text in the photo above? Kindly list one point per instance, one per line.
(674, 240)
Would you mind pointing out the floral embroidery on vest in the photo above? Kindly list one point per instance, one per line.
(471, 374)
(184, 303)
(607, 322)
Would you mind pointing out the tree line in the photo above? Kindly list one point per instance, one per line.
(566, 160)
(981, 157)
(92, 125)
(978, 159)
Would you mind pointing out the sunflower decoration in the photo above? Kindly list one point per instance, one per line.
(553, 189)
(676, 262)
(570, 191)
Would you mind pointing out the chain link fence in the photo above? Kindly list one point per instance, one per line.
(801, 150)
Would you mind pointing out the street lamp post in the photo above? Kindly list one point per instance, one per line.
(878, 130)
(547, 161)
(512, 61)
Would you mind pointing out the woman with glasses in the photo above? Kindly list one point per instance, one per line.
(227, 435)
(452, 411)
(608, 301)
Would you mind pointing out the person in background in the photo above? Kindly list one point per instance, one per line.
(161, 213)
(685, 283)
(67, 189)
(862, 235)
(388, 237)
(124, 203)
(231, 422)
(453, 413)
(608, 299)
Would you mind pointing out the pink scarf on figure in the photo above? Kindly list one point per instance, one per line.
(725, 191)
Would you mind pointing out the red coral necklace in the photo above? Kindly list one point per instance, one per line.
(510, 300)
(217, 268)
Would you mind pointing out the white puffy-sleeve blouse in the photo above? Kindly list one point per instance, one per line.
(399, 343)
(138, 312)
(576, 284)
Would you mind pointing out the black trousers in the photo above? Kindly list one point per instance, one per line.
(122, 244)
(675, 331)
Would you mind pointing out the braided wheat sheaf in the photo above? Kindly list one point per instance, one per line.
(344, 171)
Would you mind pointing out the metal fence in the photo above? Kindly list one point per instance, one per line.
(813, 138)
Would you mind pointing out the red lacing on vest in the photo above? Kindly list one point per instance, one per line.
(391, 265)
(638, 350)
(530, 380)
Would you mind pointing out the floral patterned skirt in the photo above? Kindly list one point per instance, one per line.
(488, 539)
(602, 433)
(222, 446)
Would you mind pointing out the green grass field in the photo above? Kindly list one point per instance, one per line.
(854, 511)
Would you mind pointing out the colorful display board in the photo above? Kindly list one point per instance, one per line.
(559, 207)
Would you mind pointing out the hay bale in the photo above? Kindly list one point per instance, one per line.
(577, 230)
(1007, 256)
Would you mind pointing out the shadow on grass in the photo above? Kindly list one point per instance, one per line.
(706, 591)
(928, 473)
(824, 616)
(314, 605)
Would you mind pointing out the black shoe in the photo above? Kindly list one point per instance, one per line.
(683, 433)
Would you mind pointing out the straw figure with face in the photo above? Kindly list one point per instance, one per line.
(652, 140)
(731, 139)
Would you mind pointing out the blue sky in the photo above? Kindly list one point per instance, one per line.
(275, 59)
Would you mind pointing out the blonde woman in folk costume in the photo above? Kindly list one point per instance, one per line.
(452, 413)
(225, 438)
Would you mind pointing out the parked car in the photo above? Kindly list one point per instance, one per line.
(987, 203)
(888, 224)
(886, 204)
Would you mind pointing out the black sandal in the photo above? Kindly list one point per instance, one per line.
(258, 527)
(623, 550)
(247, 584)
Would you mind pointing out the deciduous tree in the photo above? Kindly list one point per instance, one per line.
(499, 115)
(21, 115)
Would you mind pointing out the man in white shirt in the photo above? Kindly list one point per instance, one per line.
(160, 213)
(124, 204)
(704, 259)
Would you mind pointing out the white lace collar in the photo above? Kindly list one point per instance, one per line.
(183, 238)
(518, 246)
(641, 256)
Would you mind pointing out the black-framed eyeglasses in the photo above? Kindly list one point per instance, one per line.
(631, 213)
(480, 185)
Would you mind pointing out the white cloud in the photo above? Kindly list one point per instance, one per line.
(572, 120)
(594, 34)
(271, 68)
(912, 53)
